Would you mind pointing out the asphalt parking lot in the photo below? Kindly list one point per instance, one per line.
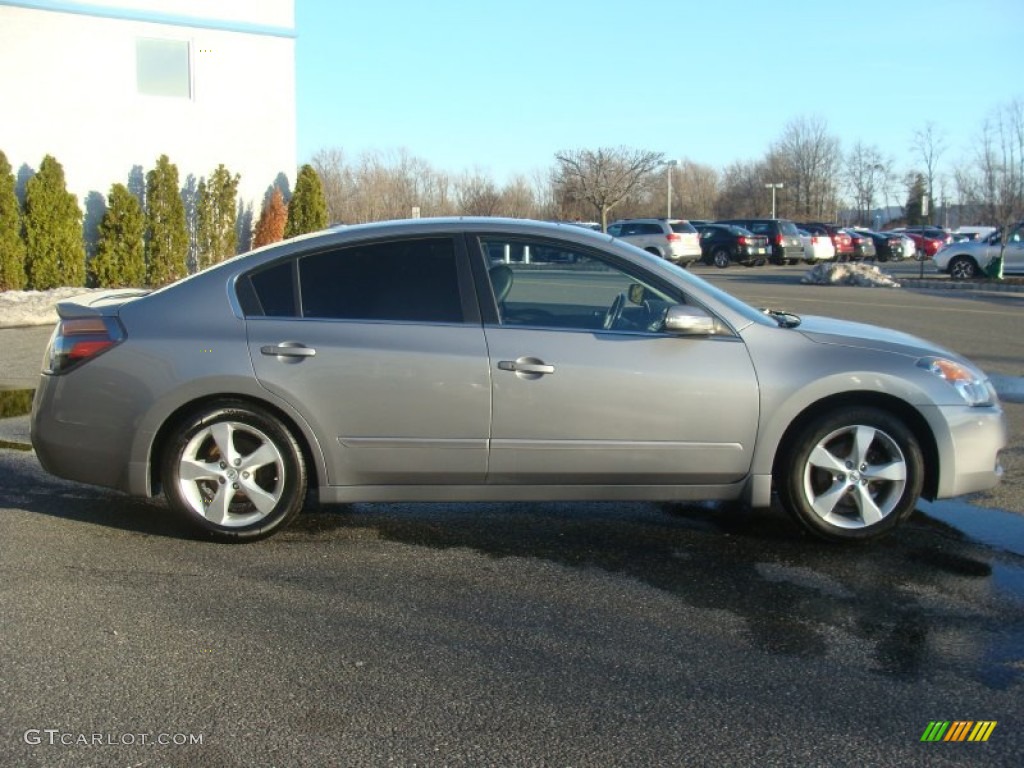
(519, 634)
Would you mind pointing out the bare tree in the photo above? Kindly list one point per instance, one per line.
(604, 177)
(807, 160)
(1002, 169)
(330, 166)
(742, 192)
(929, 144)
(866, 173)
(517, 199)
(476, 194)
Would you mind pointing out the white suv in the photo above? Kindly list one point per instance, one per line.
(673, 239)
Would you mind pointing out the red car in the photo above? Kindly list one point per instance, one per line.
(928, 240)
(840, 238)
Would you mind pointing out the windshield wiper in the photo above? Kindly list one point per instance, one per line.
(782, 317)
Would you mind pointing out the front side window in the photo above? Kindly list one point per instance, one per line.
(542, 285)
(405, 280)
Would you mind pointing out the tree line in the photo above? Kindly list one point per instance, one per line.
(815, 180)
(153, 231)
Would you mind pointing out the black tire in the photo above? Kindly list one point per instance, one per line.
(851, 474)
(251, 493)
(720, 258)
(963, 268)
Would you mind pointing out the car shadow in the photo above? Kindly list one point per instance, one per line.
(27, 487)
(789, 593)
(892, 599)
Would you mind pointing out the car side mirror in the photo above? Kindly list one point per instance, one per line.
(683, 320)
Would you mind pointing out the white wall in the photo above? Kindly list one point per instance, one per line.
(69, 90)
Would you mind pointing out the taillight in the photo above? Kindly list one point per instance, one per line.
(672, 237)
(779, 239)
(742, 240)
(77, 340)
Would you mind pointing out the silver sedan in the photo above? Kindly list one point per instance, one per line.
(490, 359)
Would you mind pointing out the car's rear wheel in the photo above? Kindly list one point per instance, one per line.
(235, 472)
(963, 268)
(721, 259)
(851, 474)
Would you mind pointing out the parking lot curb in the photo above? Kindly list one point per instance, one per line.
(981, 286)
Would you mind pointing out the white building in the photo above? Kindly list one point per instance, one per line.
(106, 86)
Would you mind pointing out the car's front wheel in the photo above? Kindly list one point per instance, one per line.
(852, 474)
(721, 259)
(235, 472)
(963, 268)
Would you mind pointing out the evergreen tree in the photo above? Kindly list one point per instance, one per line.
(120, 260)
(218, 213)
(166, 230)
(915, 199)
(273, 217)
(53, 230)
(307, 211)
(12, 247)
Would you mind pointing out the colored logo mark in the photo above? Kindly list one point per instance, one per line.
(959, 730)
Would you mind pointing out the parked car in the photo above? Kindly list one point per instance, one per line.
(395, 362)
(675, 240)
(970, 259)
(909, 246)
(725, 244)
(863, 245)
(841, 239)
(971, 233)
(927, 240)
(783, 238)
(818, 244)
(887, 247)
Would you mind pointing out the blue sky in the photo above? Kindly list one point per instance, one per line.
(501, 87)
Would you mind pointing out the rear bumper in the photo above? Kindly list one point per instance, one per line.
(70, 443)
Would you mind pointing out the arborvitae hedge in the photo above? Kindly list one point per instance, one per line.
(120, 260)
(53, 230)
(166, 230)
(12, 247)
(273, 217)
(218, 215)
(307, 211)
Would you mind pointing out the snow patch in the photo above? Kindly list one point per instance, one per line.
(23, 308)
(830, 273)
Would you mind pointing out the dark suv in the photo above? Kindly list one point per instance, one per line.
(783, 237)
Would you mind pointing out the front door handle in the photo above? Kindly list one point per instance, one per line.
(530, 366)
(288, 349)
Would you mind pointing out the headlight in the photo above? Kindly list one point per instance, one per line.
(973, 388)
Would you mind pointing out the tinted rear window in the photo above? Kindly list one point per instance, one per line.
(683, 227)
(788, 228)
(400, 280)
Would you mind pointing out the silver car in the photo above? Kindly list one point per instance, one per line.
(490, 359)
(972, 258)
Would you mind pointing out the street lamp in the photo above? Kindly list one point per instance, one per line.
(669, 165)
(773, 186)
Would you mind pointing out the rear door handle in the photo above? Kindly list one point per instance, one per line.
(527, 365)
(288, 349)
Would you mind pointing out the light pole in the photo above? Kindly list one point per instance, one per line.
(669, 165)
(773, 186)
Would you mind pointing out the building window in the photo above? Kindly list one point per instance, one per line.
(162, 67)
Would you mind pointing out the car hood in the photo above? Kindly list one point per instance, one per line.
(826, 330)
